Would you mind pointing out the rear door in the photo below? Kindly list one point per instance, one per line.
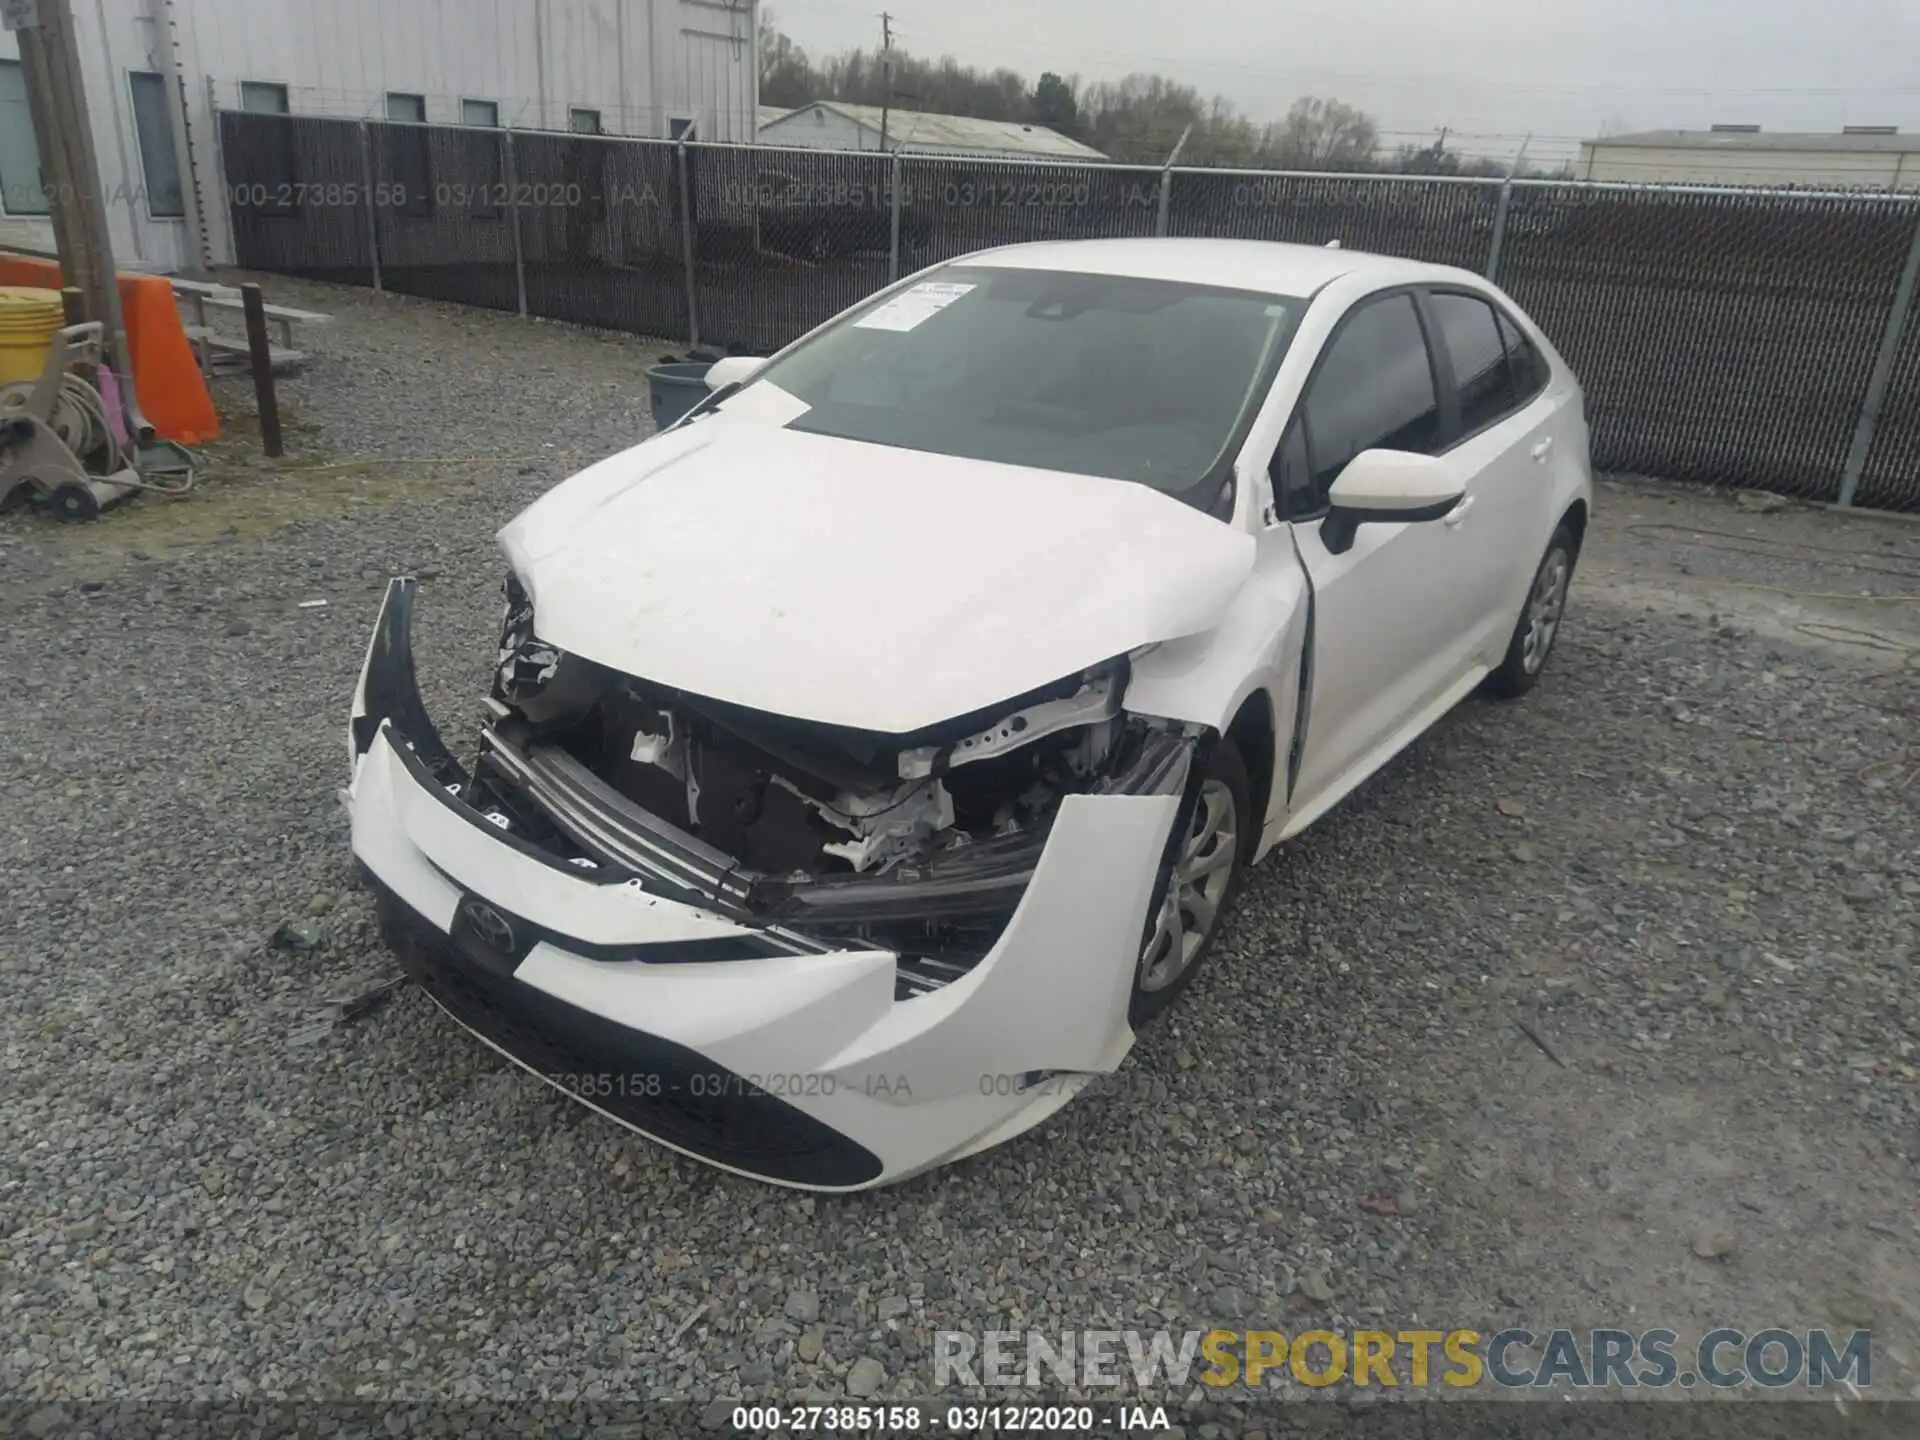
(1502, 437)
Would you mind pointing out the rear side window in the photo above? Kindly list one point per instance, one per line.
(1373, 391)
(1472, 336)
(1529, 366)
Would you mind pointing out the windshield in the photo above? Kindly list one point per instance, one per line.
(1143, 380)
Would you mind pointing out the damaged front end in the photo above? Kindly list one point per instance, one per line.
(820, 957)
(920, 844)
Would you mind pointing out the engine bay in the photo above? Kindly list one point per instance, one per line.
(782, 797)
(919, 843)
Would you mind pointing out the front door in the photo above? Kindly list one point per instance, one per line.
(1391, 625)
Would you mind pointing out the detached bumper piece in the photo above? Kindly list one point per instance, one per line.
(777, 1028)
(665, 1090)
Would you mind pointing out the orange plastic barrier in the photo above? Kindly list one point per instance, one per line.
(166, 376)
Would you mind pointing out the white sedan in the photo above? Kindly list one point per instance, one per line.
(874, 752)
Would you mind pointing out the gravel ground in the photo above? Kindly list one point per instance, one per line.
(1609, 996)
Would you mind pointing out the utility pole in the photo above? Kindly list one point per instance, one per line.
(886, 74)
(57, 102)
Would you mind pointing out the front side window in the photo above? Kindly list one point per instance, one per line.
(1373, 390)
(1472, 336)
(1152, 381)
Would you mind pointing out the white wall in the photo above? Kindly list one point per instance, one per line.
(1687, 165)
(115, 37)
(638, 62)
(819, 130)
(641, 63)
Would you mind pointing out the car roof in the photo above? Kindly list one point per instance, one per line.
(1265, 266)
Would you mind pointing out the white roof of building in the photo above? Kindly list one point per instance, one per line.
(960, 134)
(1863, 142)
(770, 113)
(1269, 267)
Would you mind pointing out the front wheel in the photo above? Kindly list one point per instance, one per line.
(1198, 879)
(1539, 622)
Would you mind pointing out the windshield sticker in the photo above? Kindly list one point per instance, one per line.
(909, 309)
(765, 402)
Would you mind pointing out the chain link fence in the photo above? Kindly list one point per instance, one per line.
(1738, 337)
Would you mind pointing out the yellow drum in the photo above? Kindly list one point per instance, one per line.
(29, 319)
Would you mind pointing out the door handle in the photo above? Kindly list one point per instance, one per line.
(1459, 512)
(1545, 447)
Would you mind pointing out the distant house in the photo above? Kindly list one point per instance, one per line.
(833, 125)
(1861, 157)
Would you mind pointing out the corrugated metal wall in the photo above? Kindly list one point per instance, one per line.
(637, 64)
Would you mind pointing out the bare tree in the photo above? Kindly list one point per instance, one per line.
(786, 76)
(1138, 119)
(1323, 134)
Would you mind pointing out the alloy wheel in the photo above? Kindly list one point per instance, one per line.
(1202, 872)
(1544, 608)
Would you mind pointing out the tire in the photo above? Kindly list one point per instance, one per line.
(1218, 790)
(1531, 644)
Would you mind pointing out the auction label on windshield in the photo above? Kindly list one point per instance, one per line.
(911, 308)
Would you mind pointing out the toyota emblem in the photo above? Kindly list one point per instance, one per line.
(489, 925)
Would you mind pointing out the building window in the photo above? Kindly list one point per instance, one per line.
(159, 161)
(408, 153)
(21, 192)
(258, 97)
(583, 122)
(480, 156)
(261, 158)
(677, 127)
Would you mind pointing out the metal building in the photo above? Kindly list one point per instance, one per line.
(1861, 157)
(156, 72)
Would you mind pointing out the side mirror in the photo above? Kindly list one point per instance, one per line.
(1387, 487)
(734, 370)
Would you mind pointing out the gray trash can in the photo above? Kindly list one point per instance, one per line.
(675, 389)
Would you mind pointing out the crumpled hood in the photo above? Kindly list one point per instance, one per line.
(859, 585)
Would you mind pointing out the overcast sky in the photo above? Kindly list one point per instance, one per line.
(1557, 68)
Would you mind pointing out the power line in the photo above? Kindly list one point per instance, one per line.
(1478, 81)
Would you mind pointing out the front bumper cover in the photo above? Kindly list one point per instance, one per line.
(726, 1038)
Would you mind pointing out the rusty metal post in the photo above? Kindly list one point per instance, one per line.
(261, 353)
